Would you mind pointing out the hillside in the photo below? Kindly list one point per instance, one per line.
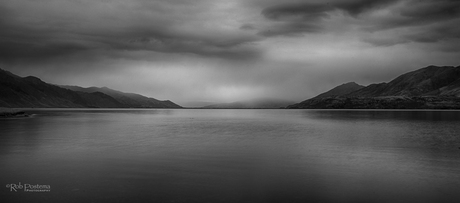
(429, 81)
(431, 87)
(341, 90)
(26, 92)
(127, 99)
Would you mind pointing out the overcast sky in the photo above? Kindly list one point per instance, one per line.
(226, 50)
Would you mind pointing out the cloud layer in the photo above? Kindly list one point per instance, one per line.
(218, 50)
(48, 28)
(423, 21)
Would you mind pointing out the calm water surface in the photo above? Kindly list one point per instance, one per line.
(191, 155)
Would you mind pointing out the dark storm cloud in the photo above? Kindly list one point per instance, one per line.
(436, 34)
(220, 50)
(159, 26)
(356, 7)
(419, 17)
(50, 28)
(290, 29)
(442, 35)
(227, 49)
(302, 16)
(303, 10)
(418, 13)
(432, 22)
(297, 12)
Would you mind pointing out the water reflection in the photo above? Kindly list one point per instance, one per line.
(412, 115)
(233, 156)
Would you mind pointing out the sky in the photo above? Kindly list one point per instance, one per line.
(226, 50)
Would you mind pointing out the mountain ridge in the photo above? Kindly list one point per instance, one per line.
(422, 82)
(431, 87)
(32, 92)
(129, 99)
(340, 90)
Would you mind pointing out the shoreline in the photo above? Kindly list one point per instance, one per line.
(11, 112)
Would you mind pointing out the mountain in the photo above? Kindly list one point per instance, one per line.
(127, 99)
(252, 104)
(30, 91)
(431, 87)
(341, 90)
(429, 81)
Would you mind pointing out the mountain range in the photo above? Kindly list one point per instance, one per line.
(264, 103)
(30, 91)
(432, 87)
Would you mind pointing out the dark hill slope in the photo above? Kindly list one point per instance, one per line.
(341, 90)
(431, 80)
(431, 87)
(127, 99)
(30, 91)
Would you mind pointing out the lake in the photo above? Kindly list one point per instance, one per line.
(204, 155)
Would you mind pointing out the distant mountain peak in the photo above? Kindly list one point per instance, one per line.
(350, 83)
(32, 78)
